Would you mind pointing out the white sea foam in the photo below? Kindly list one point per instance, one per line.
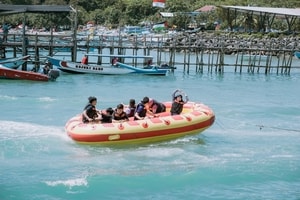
(10, 130)
(46, 99)
(69, 183)
(5, 97)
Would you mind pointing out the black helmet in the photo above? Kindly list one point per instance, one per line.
(120, 106)
(110, 110)
(178, 96)
(131, 101)
(91, 99)
(145, 100)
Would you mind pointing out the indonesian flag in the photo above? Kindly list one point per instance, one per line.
(159, 3)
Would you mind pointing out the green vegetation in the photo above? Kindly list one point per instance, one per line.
(116, 13)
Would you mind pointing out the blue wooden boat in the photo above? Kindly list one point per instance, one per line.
(14, 63)
(297, 54)
(149, 70)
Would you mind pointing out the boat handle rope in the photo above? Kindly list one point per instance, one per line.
(121, 127)
(145, 125)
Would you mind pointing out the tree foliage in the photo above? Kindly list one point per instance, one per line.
(131, 12)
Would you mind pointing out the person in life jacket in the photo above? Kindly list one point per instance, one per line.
(119, 114)
(142, 110)
(156, 107)
(107, 115)
(131, 108)
(90, 112)
(85, 60)
(178, 102)
(114, 61)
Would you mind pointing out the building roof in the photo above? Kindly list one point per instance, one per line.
(207, 8)
(6, 9)
(166, 14)
(295, 12)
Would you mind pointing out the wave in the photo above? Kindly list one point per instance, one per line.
(6, 97)
(14, 98)
(69, 183)
(11, 130)
(46, 99)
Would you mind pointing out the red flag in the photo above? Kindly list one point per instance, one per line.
(159, 3)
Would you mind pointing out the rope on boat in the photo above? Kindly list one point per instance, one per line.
(278, 128)
(261, 126)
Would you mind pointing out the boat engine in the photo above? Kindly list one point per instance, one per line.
(53, 74)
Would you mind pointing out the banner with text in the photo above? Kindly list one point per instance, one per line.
(159, 3)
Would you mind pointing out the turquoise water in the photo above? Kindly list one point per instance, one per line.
(251, 152)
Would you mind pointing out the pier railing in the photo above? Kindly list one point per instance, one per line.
(199, 51)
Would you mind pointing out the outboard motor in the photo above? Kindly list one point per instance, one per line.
(53, 74)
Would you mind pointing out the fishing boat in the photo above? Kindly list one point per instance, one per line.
(149, 70)
(195, 118)
(7, 73)
(14, 63)
(111, 67)
(297, 54)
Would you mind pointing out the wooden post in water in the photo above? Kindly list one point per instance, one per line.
(289, 64)
(51, 42)
(37, 55)
(100, 47)
(242, 61)
(236, 60)
(24, 42)
(189, 54)
(197, 60)
(87, 44)
(74, 49)
(15, 48)
(201, 58)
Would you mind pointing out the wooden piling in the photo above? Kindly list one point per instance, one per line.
(208, 52)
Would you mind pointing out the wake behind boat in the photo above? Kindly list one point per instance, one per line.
(111, 68)
(8, 73)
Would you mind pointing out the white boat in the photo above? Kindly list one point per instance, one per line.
(116, 65)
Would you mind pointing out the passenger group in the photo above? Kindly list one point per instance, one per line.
(147, 107)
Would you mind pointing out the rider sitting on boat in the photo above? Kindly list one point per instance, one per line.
(119, 114)
(114, 61)
(142, 109)
(156, 107)
(46, 68)
(177, 105)
(90, 112)
(85, 60)
(107, 115)
(131, 108)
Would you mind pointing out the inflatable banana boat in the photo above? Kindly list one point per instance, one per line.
(195, 118)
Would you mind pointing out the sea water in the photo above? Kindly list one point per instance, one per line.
(252, 151)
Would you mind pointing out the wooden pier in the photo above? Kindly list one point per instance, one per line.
(200, 52)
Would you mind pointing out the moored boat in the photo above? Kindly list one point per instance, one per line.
(80, 68)
(14, 63)
(297, 54)
(195, 118)
(8, 73)
(112, 67)
(149, 70)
